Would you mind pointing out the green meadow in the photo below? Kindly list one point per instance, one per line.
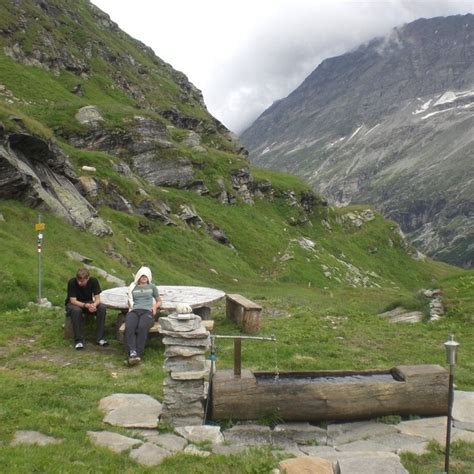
(319, 323)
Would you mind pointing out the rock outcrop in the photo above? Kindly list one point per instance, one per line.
(38, 173)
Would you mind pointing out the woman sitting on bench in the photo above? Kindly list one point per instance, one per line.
(143, 301)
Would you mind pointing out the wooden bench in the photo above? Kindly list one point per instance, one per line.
(244, 313)
(67, 326)
(154, 330)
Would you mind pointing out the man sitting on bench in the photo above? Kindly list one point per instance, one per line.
(83, 297)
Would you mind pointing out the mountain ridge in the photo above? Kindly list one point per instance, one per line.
(356, 118)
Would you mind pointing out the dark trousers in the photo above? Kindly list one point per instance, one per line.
(137, 324)
(76, 314)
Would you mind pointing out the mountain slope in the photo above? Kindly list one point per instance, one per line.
(118, 154)
(391, 124)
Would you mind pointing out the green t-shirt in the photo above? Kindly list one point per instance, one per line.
(143, 296)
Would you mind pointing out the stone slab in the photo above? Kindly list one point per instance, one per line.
(248, 435)
(370, 464)
(131, 410)
(185, 364)
(301, 433)
(178, 420)
(393, 442)
(182, 410)
(434, 428)
(199, 333)
(402, 315)
(318, 451)
(463, 406)
(201, 433)
(306, 464)
(341, 433)
(33, 437)
(288, 447)
(168, 441)
(464, 425)
(171, 296)
(367, 462)
(190, 375)
(184, 351)
(175, 324)
(114, 441)
(229, 449)
(193, 450)
(204, 342)
(148, 454)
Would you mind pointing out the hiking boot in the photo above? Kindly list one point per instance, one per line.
(103, 343)
(79, 346)
(133, 359)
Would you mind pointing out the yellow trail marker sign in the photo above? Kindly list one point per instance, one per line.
(40, 226)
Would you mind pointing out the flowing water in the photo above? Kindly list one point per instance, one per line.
(276, 375)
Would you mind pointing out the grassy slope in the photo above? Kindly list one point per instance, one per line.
(50, 388)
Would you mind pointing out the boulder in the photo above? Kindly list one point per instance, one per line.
(88, 115)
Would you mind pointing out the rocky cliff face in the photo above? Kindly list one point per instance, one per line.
(39, 174)
(75, 88)
(391, 124)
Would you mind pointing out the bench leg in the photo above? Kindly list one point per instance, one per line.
(120, 320)
(251, 321)
(234, 312)
(203, 311)
(68, 330)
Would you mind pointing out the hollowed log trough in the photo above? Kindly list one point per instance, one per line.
(327, 395)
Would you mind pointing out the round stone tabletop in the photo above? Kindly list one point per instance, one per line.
(194, 296)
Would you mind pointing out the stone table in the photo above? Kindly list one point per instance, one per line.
(198, 297)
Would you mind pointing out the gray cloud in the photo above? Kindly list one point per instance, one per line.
(246, 55)
(290, 45)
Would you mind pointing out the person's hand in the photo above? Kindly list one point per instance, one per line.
(153, 311)
(91, 307)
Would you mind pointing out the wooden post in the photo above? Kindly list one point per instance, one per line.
(237, 357)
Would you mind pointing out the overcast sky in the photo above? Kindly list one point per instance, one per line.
(245, 55)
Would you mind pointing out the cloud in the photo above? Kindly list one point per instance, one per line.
(246, 56)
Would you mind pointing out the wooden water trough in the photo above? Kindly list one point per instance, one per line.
(329, 395)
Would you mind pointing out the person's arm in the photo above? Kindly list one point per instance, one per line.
(130, 295)
(157, 302)
(73, 300)
(96, 302)
(96, 291)
(156, 305)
